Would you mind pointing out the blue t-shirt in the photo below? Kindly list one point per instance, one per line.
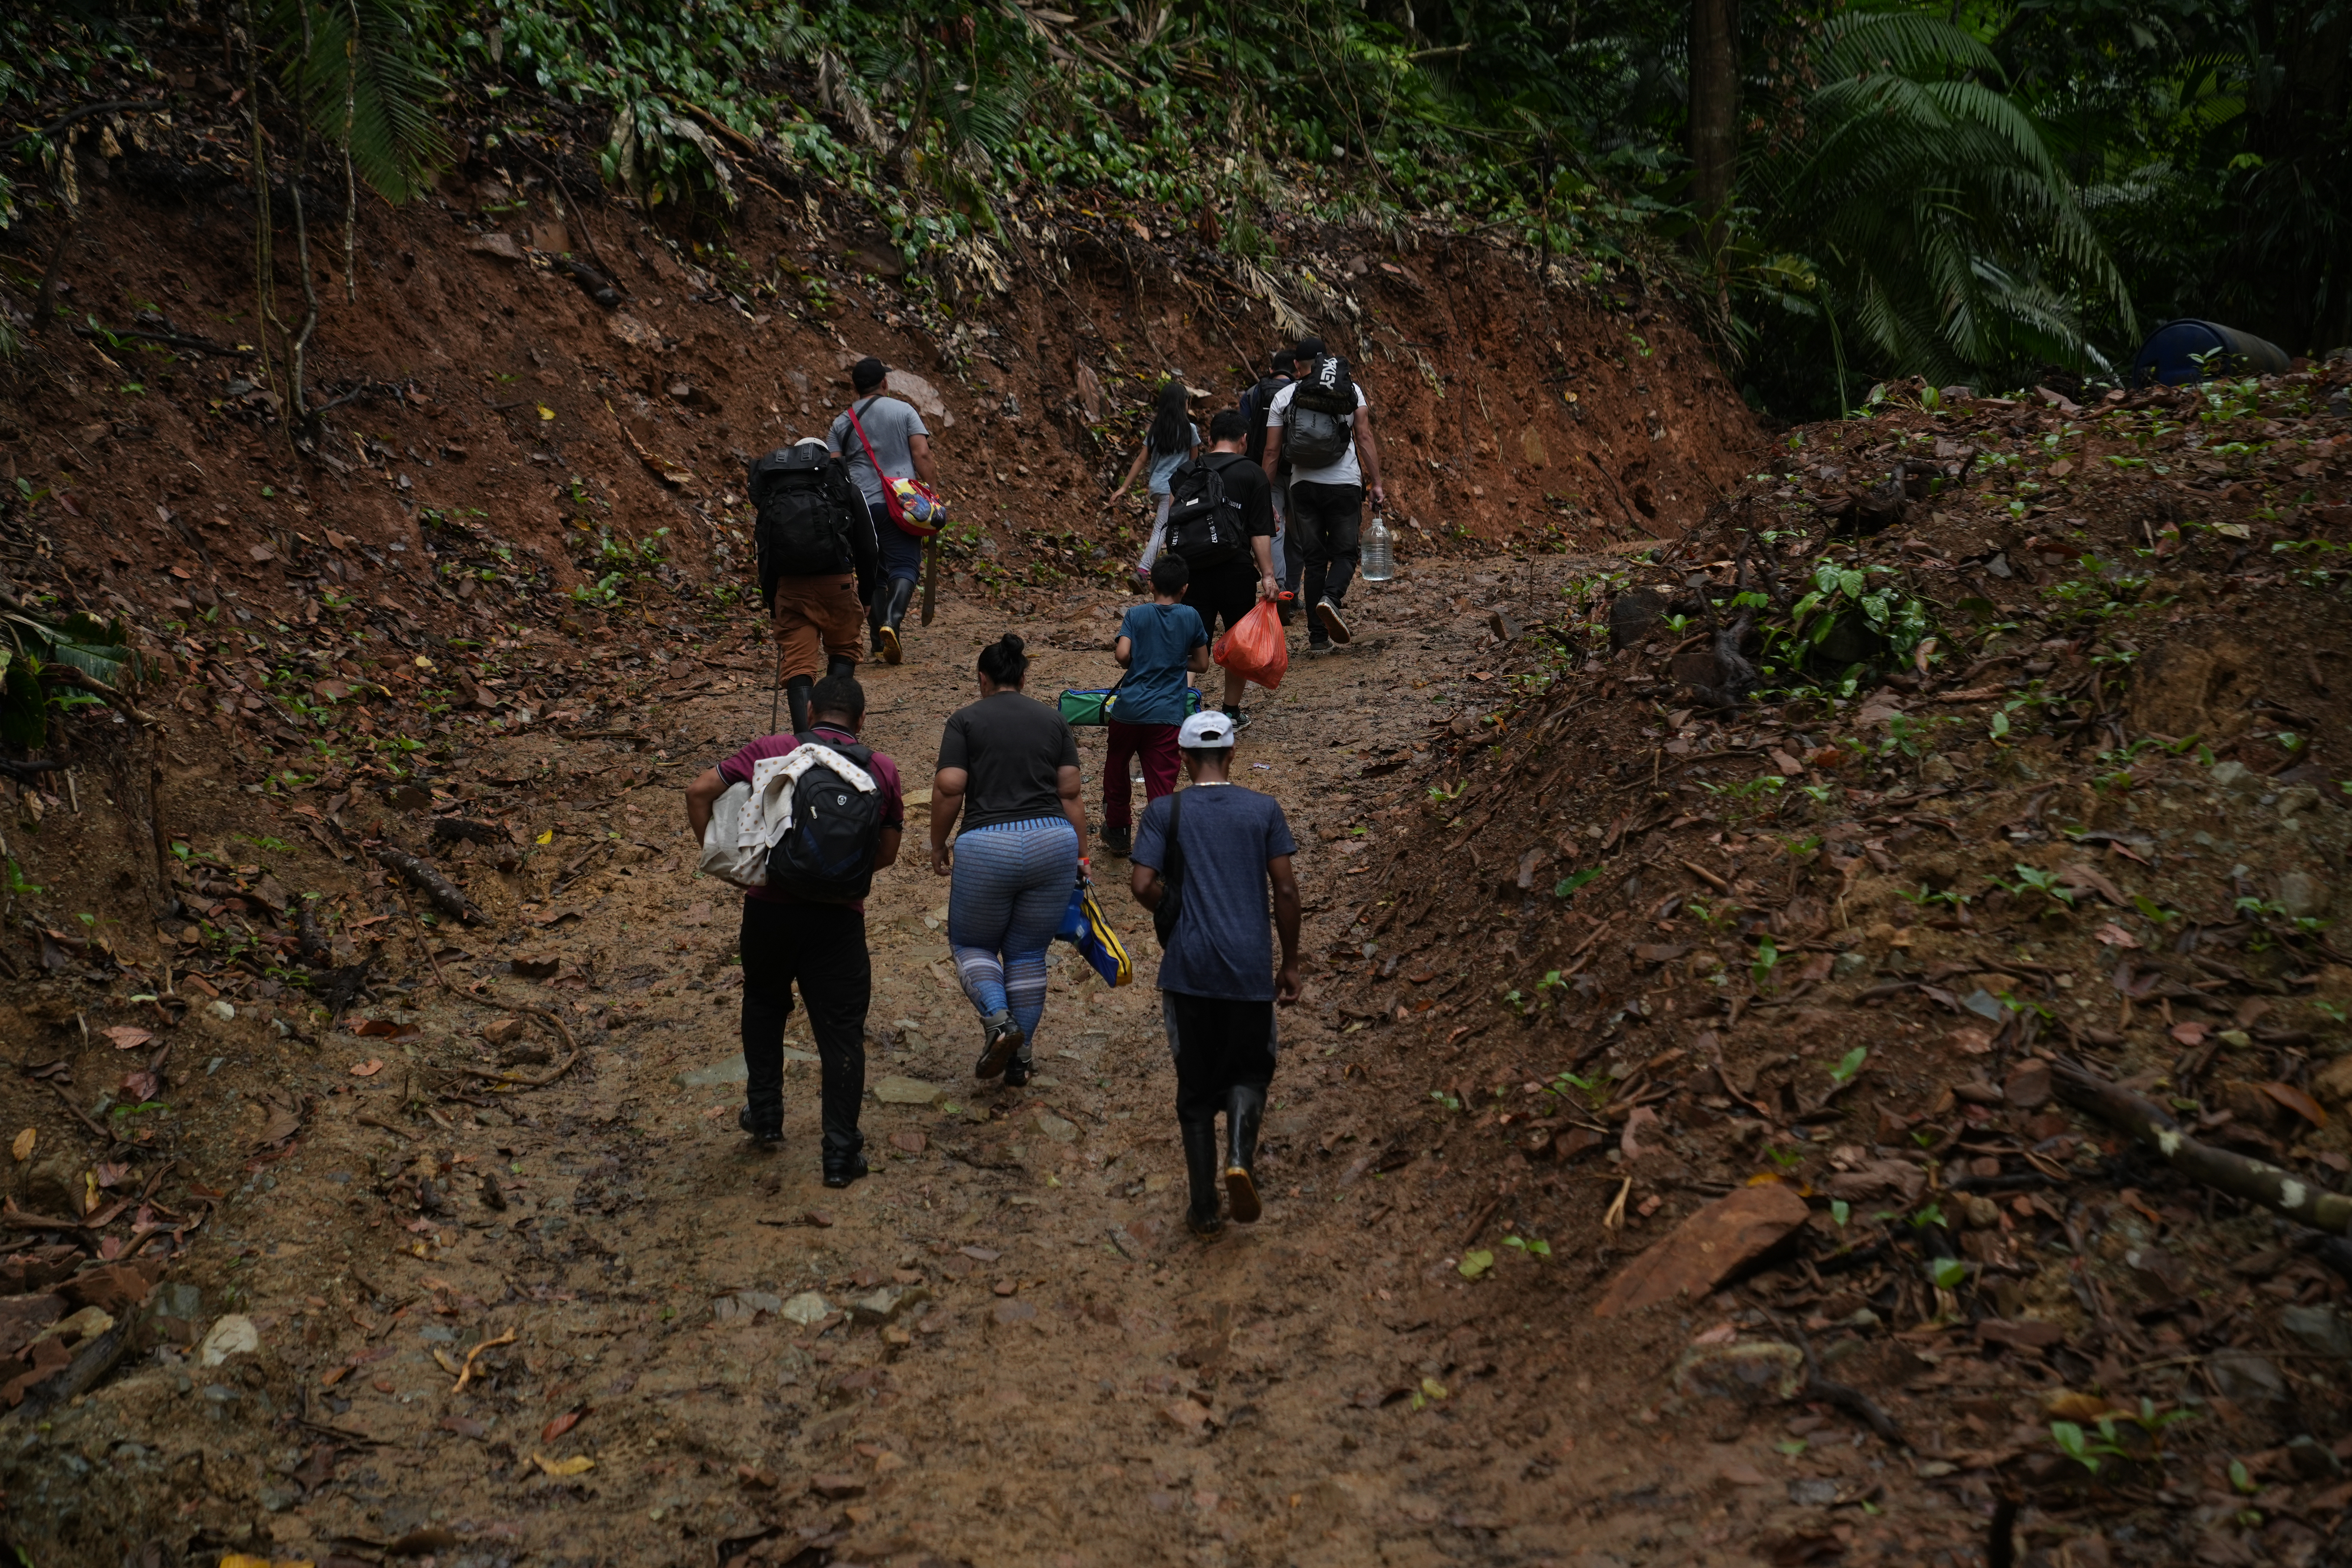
(1164, 464)
(1224, 942)
(1163, 637)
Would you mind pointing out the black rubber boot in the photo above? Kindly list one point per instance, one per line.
(874, 622)
(840, 1170)
(894, 615)
(797, 696)
(1244, 1108)
(836, 665)
(1200, 1173)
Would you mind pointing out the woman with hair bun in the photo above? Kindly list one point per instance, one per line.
(1009, 766)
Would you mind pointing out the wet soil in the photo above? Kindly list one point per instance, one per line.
(1001, 1347)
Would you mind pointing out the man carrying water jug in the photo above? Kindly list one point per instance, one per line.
(1323, 423)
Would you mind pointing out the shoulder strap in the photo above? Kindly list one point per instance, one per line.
(1173, 873)
(856, 750)
(860, 428)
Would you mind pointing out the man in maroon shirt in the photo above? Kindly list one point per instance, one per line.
(822, 946)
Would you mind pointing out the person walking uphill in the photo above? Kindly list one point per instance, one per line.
(793, 935)
(1323, 421)
(1009, 766)
(1223, 527)
(1172, 439)
(1158, 644)
(817, 564)
(1204, 860)
(879, 429)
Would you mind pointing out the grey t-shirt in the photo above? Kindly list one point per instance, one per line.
(888, 424)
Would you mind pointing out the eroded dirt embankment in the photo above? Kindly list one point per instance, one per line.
(1857, 946)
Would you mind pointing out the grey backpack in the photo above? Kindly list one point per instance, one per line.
(1320, 427)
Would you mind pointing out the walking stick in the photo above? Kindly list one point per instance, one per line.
(930, 574)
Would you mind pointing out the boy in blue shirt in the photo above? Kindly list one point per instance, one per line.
(1158, 644)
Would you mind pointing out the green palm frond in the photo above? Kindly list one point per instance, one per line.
(1952, 241)
(376, 76)
(1865, 43)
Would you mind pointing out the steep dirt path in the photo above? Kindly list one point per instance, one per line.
(1001, 1348)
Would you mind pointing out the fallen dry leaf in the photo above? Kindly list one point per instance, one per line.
(127, 1037)
(2295, 1099)
(384, 1027)
(140, 1086)
(368, 1069)
(2191, 1034)
(2114, 935)
(23, 1147)
(578, 1464)
(561, 1425)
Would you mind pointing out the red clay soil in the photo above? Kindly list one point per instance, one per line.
(1644, 953)
(331, 1247)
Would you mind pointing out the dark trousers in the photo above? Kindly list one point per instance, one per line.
(1156, 745)
(1219, 1043)
(902, 553)
(1324, 522)
(822, 946)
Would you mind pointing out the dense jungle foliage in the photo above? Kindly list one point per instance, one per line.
(1964, 191)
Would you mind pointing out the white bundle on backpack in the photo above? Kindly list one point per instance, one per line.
(747, 820)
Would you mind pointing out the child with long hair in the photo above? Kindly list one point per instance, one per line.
(1172, 439)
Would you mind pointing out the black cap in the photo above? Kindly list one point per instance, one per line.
(867, 374)
(1308, 348)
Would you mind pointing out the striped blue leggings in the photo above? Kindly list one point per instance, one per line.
(1012, 887)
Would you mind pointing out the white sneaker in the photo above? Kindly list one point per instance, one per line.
(1333, 622)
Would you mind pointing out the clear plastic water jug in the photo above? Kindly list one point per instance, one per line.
(1375, 553)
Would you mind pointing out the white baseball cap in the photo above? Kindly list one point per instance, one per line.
(1210, 729)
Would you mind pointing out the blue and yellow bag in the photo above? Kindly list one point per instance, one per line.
(1086, 928)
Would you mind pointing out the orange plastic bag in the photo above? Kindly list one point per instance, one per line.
(1256, 650)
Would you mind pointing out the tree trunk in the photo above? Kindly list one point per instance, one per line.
(1714, 106)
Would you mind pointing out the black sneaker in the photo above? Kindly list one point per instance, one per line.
(1118, 840)
(841, 1172)
(1240, 720)
(766, 1137)
(1003, 1043)
(1016, 1073)
(1327, 614)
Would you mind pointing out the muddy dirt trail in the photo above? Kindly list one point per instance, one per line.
(1001, 1348)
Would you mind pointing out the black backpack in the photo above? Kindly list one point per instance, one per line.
(1254, 402)
(826, 856)
(1204, 525)
(800, 498)
(1322, 413)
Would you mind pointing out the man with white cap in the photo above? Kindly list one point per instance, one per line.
(1205, 860)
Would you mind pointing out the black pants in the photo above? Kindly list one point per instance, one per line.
(1226, 591)
(1218, 1043)
(823, 946)
(1324, 522)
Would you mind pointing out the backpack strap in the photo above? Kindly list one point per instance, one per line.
(1172, 874)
